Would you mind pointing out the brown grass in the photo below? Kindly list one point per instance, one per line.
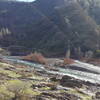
(36, 57)
(68, 61)
(91, 60)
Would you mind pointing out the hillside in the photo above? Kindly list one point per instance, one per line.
(23, 80)
(50, 28)
(50, 50)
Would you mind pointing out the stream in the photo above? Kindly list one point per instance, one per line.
(92, 76)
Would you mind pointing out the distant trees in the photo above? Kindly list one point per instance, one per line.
(89, 4)
(83, 28)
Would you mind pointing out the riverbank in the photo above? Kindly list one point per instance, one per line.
(23, 80)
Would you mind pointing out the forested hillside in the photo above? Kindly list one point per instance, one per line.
(53, 28)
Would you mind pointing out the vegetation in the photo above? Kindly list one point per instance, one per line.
(36, 57)
(97, 53)
(49, 29)
(33, 87)
(58, 28)
(68, 61)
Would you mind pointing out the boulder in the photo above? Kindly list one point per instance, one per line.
(67, 81)
(98, 95)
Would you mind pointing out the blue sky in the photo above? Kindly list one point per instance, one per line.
(27, 0)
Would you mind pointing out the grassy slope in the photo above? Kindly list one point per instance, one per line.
(23, 84)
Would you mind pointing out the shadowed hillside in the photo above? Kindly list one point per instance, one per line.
(50, 28)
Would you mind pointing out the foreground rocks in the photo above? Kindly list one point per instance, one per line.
(20, 82)
(98, 95)
(70, 82)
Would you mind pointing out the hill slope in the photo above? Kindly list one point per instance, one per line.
(50, 28)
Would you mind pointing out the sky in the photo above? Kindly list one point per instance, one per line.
(27, 0)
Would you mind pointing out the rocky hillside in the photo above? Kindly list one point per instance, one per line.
(22, 82)
(50, 28)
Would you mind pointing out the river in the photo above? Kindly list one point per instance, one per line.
(92, 75)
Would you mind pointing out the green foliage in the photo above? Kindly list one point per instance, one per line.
(5, 94)
(97, 53)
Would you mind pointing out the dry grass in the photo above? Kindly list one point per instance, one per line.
(95, 61)
(68, 61)
(36, 57)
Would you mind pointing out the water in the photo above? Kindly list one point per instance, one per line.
(27, 63)
(88, 66)
(78, 74)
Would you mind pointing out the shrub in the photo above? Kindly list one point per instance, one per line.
(36, 57)
(97, 53)
(68, 61)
